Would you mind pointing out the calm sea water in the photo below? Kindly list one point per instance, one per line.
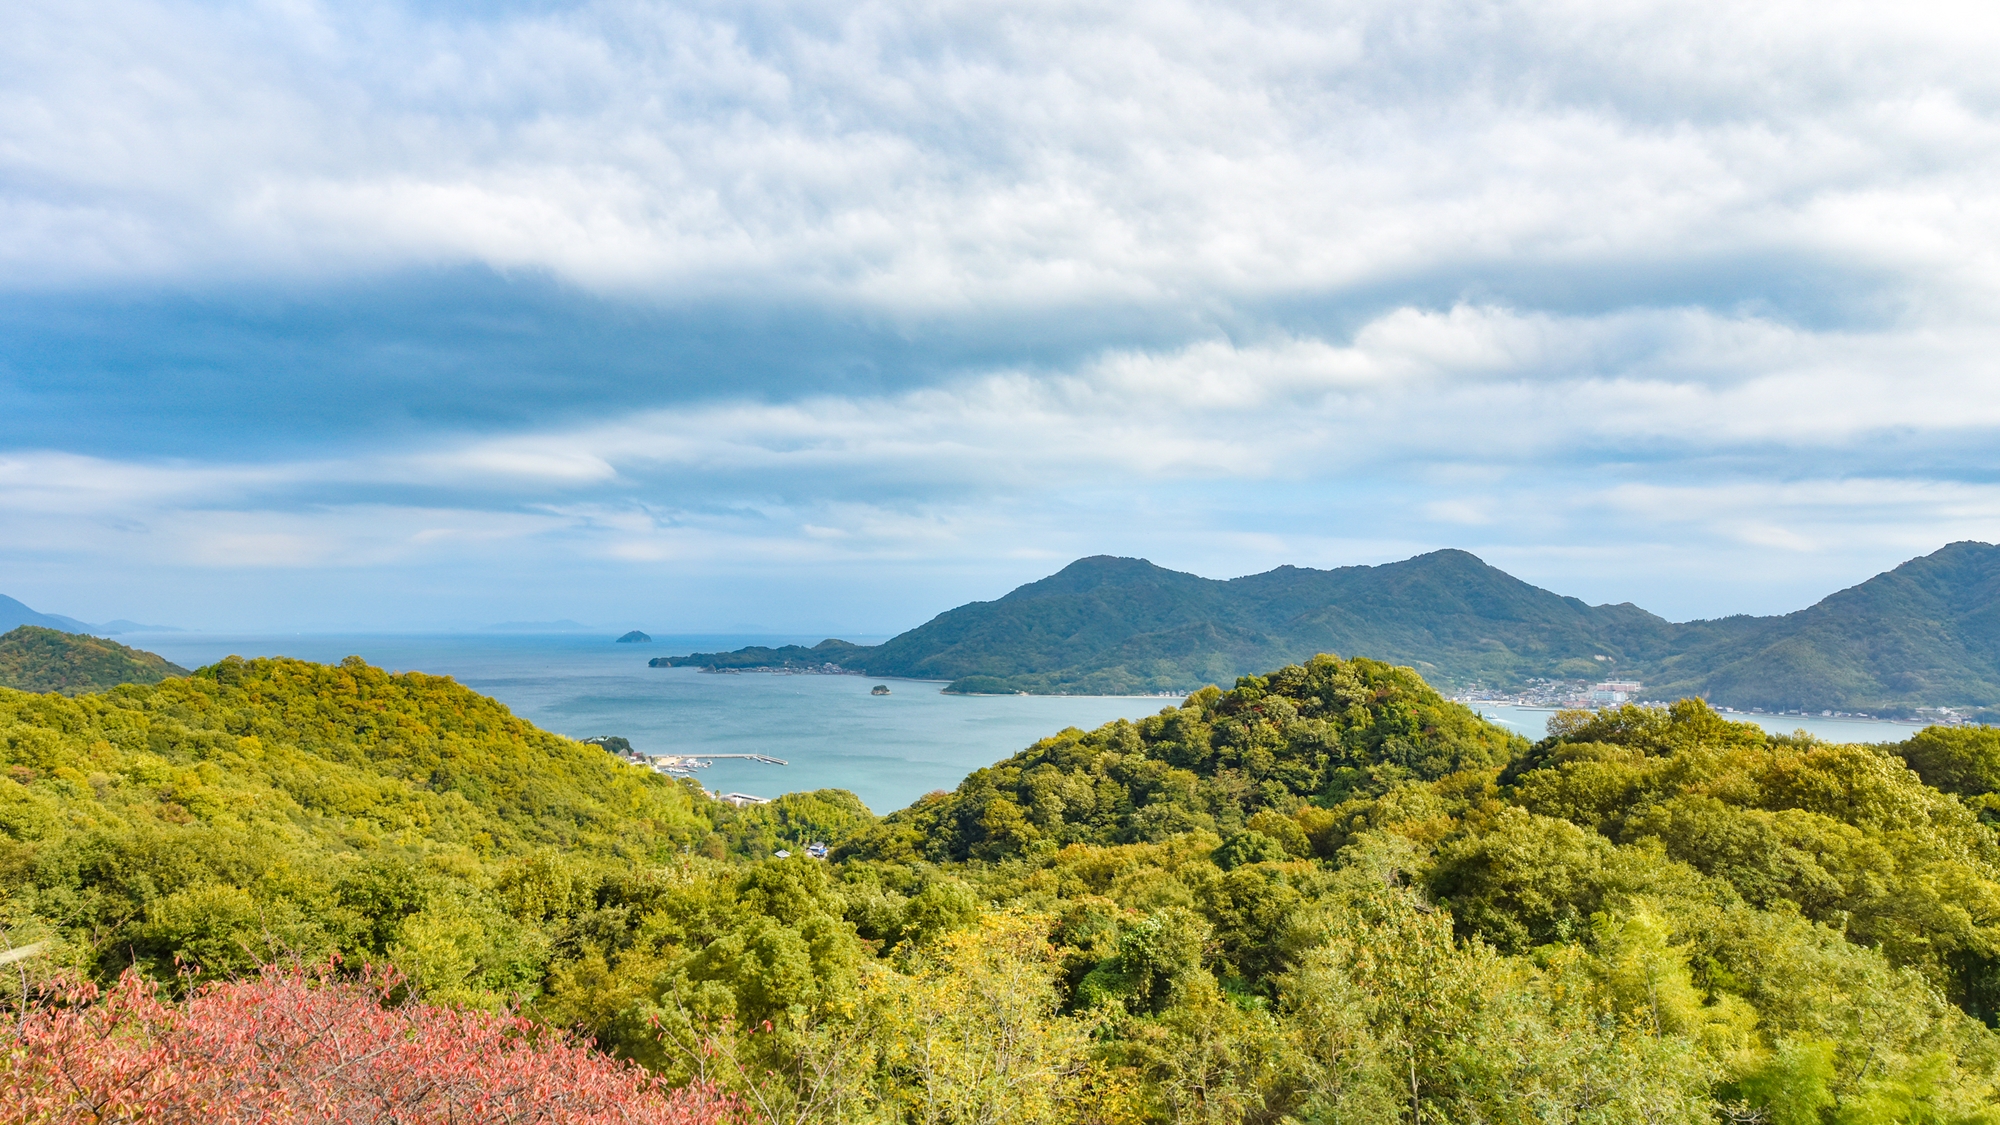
(889, 750)
(1534, 723)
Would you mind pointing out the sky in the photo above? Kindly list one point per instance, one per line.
(797, 317)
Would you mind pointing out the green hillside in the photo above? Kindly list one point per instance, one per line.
(1924, 635)
(1325, 886)
(1326, 895)
(36, 659)
(268, 807)
(1111, 625)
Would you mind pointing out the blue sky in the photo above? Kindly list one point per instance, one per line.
(824, 318)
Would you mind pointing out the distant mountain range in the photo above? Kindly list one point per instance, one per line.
(36, 658)
(14, 613)
(1926, 634)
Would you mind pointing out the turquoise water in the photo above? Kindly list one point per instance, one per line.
(889, 750)
(1534, 722)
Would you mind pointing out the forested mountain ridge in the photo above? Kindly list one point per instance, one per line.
(1326, 895)
(1107, 624)
(1926, 634)
(33, 658)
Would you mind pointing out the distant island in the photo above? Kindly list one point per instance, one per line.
(1918, 638)
(38, 659)
(826, 656)
(635, 637)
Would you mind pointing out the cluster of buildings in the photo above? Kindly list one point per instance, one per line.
(826, 669)
(1564, 694)
(1582, 695)
(1613, 693)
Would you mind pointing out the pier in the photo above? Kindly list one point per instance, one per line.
(684, 764)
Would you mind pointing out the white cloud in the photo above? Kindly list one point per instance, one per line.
(1631, 285)
(916, 158)
(1679, 425)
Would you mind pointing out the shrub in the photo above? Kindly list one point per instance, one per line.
(294, 1046)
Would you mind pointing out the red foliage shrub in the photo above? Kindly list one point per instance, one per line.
(296, 1047)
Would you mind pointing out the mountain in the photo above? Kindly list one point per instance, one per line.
(1924, 635)
(1107, 624)
(14, 613)
(34, 658)
(121, 625)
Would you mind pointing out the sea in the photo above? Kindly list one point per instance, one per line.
(829, 730)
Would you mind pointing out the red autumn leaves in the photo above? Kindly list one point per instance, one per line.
(295, 1047)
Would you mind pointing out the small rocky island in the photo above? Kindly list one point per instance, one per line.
(879, 689)
(635, 637)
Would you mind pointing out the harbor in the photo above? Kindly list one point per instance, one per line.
(684, 765)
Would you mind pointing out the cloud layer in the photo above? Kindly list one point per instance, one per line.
(765, 297)
(945, 160)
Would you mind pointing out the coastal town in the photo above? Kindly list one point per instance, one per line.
(1584, 695)
(1562, 695)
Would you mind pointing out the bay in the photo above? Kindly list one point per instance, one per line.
(889, 750)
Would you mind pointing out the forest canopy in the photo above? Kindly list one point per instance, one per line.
(1324, 895)
(36, 659)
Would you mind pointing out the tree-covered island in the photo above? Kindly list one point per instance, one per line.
(1914, 639)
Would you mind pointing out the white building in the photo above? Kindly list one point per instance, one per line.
(1611, 693)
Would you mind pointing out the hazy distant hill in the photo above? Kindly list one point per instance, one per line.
(33, 658)
(1925, 634)
(14, 613)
